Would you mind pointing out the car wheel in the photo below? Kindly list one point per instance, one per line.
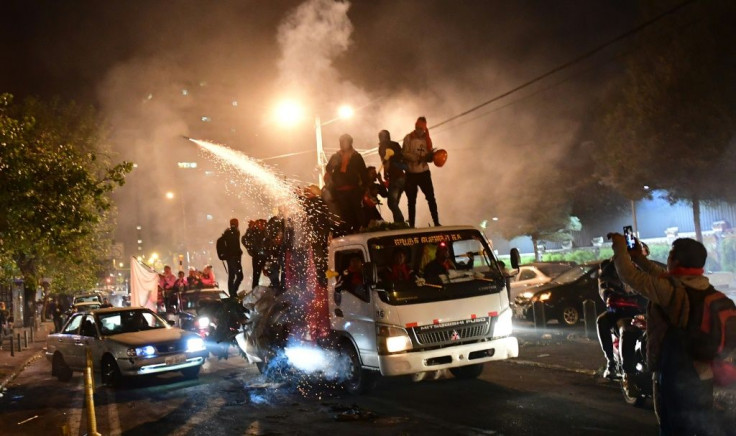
(192, 372)
(359, 380)
(60, 369)
(110, 372)
(468, 371)
(569, 315)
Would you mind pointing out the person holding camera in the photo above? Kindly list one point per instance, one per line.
(683, 384)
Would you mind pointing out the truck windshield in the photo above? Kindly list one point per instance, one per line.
(435, 266)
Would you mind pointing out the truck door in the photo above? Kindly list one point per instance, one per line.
(353, 308)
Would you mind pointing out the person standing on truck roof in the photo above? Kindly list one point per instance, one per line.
(233, 258)
(417, 151)
(254, 241)
(394, 170)
(348, 179)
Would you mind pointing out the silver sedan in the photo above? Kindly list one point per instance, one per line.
(124, 342)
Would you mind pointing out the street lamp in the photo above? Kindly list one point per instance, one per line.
(289, 113)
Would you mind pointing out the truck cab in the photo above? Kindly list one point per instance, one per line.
(417, 300)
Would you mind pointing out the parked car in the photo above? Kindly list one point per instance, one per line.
(84, 307)
(124, 342)
(535, 274)
(87, 298)
(563, 297)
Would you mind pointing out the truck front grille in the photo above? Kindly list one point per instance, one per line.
(448, 333)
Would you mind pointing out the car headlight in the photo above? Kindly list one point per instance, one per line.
(203, 322)
(392, 339)
(195, 344)
(147, 351)
(503, 326)
(527, 294)
(544, 296)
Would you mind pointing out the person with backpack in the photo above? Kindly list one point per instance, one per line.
(254, 241)
(683, 378)
(228, 249)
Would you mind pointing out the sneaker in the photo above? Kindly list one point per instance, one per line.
(611, 373)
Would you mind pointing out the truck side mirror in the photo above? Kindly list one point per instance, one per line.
(370, 274)
(515, 258)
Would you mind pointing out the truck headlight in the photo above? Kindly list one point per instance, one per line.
(195, 344)
(527, 294)
(147, 351)
(392, 339)
(503, 326)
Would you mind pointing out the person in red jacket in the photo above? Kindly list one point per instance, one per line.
(417, 151)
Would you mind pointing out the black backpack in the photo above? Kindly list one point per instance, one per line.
(222, 249)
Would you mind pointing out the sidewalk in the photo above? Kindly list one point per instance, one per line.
(11, 366)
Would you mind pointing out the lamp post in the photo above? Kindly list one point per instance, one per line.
(290, 113)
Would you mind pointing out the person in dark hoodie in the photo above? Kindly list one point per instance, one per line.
(394, 171)
(347, 177)
(233, 259)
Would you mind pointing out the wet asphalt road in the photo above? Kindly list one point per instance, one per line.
(232, 398)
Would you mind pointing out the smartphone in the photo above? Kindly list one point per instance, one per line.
(629, 235)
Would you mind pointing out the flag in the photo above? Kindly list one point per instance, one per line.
(143, 285)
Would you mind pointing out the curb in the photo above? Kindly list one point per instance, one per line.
(20, 369)
(588, 372)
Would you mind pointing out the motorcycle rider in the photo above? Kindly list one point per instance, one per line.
(622, 305)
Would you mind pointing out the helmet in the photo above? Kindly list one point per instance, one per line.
(440, 157)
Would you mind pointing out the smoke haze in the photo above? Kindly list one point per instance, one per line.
(215, 70)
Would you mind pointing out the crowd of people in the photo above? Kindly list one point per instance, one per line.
(673, 298)
(352, 189)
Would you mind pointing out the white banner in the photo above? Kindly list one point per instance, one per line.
(143, 285)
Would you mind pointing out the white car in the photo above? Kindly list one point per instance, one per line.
(535, 274)
(124, 342)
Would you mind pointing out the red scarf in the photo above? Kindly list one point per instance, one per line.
(682, 271)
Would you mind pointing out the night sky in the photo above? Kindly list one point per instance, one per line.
(155, 68)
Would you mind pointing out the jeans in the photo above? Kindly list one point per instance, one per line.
(234, 275)
(423, 181)
(395, 189)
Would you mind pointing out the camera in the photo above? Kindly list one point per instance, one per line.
(630, 238)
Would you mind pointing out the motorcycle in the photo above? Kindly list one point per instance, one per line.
(636, 386)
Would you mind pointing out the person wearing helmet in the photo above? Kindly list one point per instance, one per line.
(417, 151)
(347, 177)
(394, 171)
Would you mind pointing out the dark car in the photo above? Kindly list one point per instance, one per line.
(563, 297)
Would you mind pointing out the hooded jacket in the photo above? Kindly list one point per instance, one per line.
(415, 151)
(668, 302)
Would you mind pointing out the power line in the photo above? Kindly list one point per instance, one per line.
(569, 63)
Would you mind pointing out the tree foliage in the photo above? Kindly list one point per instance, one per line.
(55, 204)
(672, 123)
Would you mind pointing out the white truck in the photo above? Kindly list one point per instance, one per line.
(429, 314)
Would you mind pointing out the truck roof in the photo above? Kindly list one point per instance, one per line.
(359, 238)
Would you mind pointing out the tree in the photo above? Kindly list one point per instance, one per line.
(672, 126)
(57, 181)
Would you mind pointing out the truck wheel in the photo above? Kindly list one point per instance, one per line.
(569, 316)
(467, 372)
(60, 369)
(359, 380)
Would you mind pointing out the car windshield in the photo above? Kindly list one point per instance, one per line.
(87, 299)
(435, 266)
(572, 274)
(128, 321)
